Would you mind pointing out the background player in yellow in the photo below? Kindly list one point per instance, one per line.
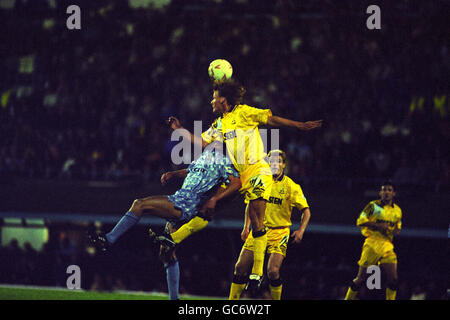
(379, 221)
(237, 127)
(285, 195)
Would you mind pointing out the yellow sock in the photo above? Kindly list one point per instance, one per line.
(194, 225)
(275, 292)
(259, 252)
(236, 290)
(351, 295)
(390, 294)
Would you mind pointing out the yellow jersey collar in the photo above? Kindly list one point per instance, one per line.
(280, 178)
(227, 113)
(381, 203)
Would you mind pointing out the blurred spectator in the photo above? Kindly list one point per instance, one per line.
(92, 104)
(418, 293)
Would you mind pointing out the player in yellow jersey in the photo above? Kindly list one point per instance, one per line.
(379, 221)
(285, 195)
(237, 127)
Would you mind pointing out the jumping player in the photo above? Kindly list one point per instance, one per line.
(379, 221)
(168, 245)
(237, 127)
(202, 178)
(285, 195)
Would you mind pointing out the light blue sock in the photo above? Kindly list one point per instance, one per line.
(124, 224)
(173, 279)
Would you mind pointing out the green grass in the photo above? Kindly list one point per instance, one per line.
(37, 293)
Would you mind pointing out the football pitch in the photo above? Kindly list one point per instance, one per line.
(42, 293)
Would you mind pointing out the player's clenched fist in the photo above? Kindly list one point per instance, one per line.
(174, 123)
(166, 177)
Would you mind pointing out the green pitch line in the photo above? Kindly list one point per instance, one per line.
(37, 293)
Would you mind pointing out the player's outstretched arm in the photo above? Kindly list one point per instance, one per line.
(210, 205)
(173, 174)
(175, 124)
(275, 121)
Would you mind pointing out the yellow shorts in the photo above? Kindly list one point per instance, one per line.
(277, 240)
(376, 251)
(257, 182)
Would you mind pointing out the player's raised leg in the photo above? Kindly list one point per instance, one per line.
(194, 225)
(158, 206)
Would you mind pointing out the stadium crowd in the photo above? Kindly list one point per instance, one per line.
(310, 272)
(91, 103)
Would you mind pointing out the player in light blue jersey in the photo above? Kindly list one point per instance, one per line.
(199, 185)
(202, 180)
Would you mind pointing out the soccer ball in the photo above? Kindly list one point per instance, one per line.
(220, 69)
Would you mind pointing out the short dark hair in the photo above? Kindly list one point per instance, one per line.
(230, 89)
(388, 183)
(277, 152)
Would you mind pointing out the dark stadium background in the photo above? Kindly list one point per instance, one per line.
(83, 134)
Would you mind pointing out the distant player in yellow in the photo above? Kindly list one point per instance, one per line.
(285, 195)
(237, 127)
(379, 221)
